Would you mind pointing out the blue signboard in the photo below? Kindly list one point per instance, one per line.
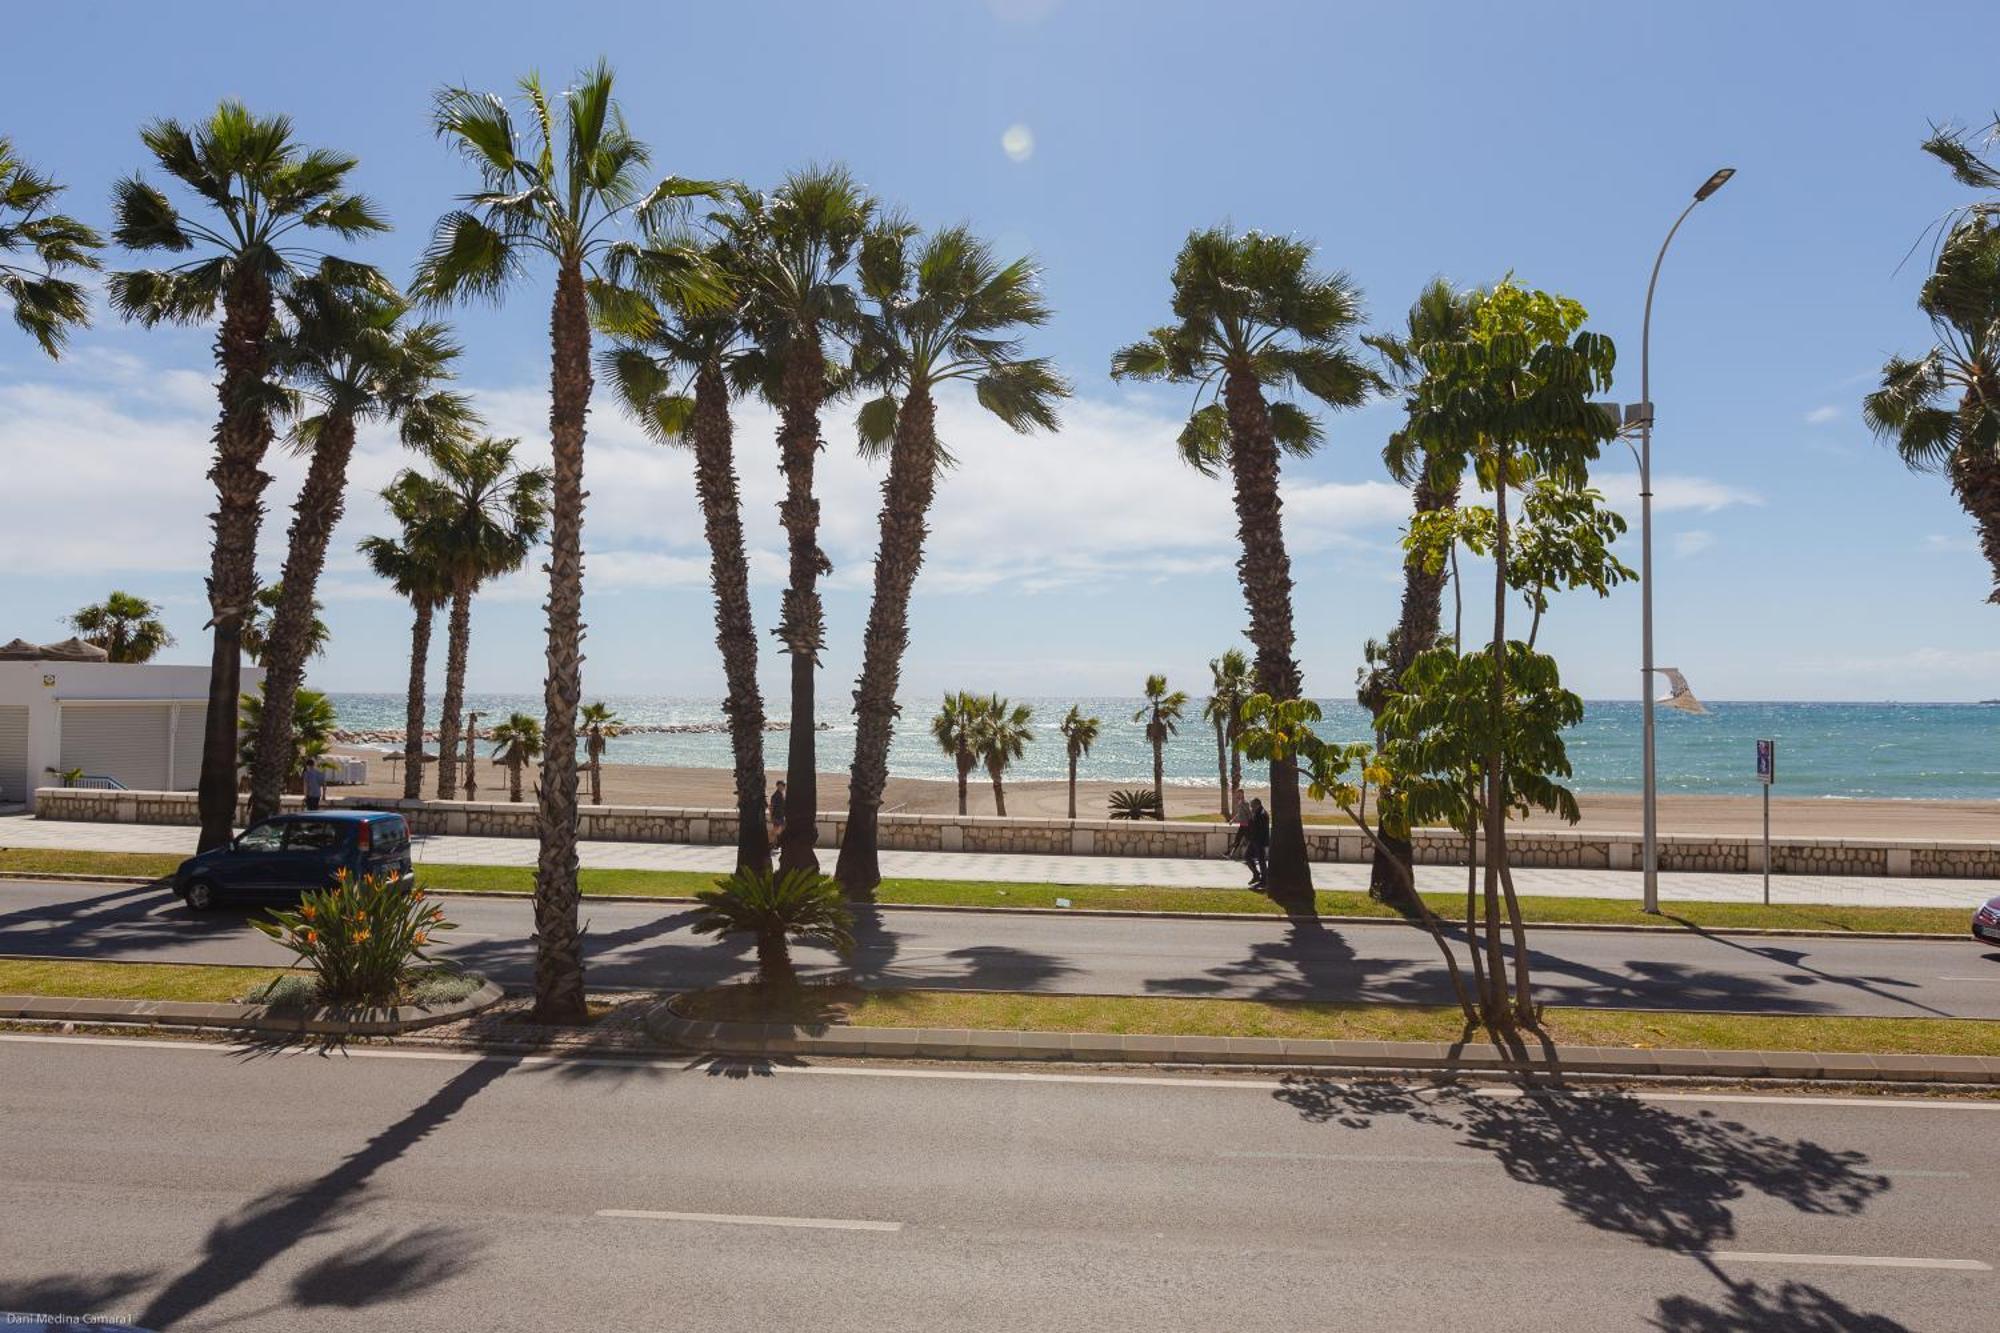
(1767, 762)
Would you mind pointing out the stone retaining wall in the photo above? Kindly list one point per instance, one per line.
(1564, 848)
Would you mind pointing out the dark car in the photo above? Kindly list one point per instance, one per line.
(1986, 922)
(280, 858)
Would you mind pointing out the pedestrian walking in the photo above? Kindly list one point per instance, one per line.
(1257, 844)
(777, 815)
(315, 777)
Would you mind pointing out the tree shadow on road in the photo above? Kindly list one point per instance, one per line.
(85, 1299)
(1792, 1307)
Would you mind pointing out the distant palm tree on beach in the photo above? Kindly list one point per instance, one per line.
(419, 576)
(955, 728)
(47, 304)
(517, 742)
(1229, 685)
(1162, 715)
(127, 628)
(1002, 736)
(600, 726)
(1079, 733)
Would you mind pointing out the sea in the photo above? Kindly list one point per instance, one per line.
(1945, 751)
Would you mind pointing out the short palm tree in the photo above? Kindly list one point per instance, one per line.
(1230, 684)
(1079, 733)
(1162, 714)
(350, 356)
(256, 636)
(47, 303)
(127, 628)
(1003, 736)
(794, 251)
(517, 742)
(265, 198)
(1941, 410)
(777, 910)
(944, 311)
(414, 570)
(1252, 316)
(561, 191)
(955, 728)
(601, 726)
(486, 514)
(313, 721)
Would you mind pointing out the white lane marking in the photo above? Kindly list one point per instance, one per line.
(1969, 978)
(751, 1220)
(1850, 1260)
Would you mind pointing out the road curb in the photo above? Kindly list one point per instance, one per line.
(326, 1021)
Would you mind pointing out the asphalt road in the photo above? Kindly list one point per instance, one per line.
(194, 1186)
(641, 945)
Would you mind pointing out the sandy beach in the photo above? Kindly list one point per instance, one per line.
(642, 784)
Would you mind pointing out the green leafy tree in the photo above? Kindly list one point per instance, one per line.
(1252, 317)
(313, 722)
(127, 628)
(1162, 713)
(955, 728)
(265, 200)
(601, 726)
(1079, 733)
(790, 907)
(560, 192)
(1002, 737)
(1230, 684)
(414, 569)
(255, 638)
(517, 743)
(39, 251)
(942, 310)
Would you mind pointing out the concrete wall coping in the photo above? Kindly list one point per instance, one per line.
(357, 1021)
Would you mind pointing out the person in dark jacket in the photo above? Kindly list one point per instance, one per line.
(777, 814)
(1257, 844)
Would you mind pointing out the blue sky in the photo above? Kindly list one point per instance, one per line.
(1798, 560)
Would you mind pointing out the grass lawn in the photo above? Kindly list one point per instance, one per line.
(1344, 1022)
(54, 861)
(131, 981)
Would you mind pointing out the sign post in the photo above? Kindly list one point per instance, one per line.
(1767, 773)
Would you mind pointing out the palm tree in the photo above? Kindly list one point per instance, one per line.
(956, 731)
(1230, 685)
(600, 727)
(350, 356)
(47, 306)
(269, 197)
(800, 905)
(415, 572)
(794, 251)
(1162, 716)
(309, 737)
(678, 379)
(1079, 733)
(127, 628)
(1253, 316)
(256, 636)
(1941, 410)
(485, 516)
(560, 191)
(517, 742)
(945, 311)
(1002, 737)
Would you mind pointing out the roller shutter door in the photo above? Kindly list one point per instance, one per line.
(14, 783)
(187, 747)
(123, 741)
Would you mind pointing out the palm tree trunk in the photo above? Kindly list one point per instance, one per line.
(558, 944)
(458, 644)
(1975, 477)
(906, 500)
(774, 957)
(413, 710)
(1159, 779)
(320, 503)
(1265, 570)
(999, 793)
(1072, 787)
(1235, 757)
(802, 626)
(735, 631)
(964, 771)
(514, 767)
(596, 772)
(242, 434)
(1496, 703)
(1222, 767)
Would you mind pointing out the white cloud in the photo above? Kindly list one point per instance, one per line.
(1693, 542)
(1018, 143)
(1820, 416)
(1673, 492)
(1938, 541)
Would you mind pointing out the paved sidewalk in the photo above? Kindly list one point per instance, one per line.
(1175, 872)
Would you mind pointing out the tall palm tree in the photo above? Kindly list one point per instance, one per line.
(268, 197)
(1229, 685)
(561, 191)
(1079, 733)
(1254, 317)
(678, 378)
(944, 311)
(795, 251)
(1002, 737)
(955, 728)
(414, 570)
(350, 356)
(601, 726)
(46, 303)
(1941, 411)
(1162, 715)
(127, 628)
(517, 742)
(486, 515)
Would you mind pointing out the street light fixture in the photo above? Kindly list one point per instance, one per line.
(1644, 416)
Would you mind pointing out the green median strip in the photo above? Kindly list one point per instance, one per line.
(1161, 1016)
(55, 861)
(132, 981)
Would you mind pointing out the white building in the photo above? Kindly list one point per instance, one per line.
(140, 726)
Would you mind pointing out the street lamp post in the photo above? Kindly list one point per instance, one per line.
(1651, 862)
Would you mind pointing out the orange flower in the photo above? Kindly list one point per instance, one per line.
(307, 911)
(360, 935)
(418, 940)
(312, 937)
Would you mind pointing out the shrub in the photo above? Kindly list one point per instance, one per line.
(290, 991)
(361, 940)
(800, 905)
(1138, 803)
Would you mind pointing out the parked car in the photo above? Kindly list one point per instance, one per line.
(1986, 922)
(280, 858)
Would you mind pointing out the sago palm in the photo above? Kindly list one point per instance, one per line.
(943, 310)
(1252, 317)
(1079, 733)
(414, 570)
(350, 356)
(40, 250)
(265, 200)
(1230, 683)
(127, 628)
(777, 910)
(560, 192)
(1001, 737)
(955, 728)
(517, 743)
(601, 726)
(1162, 713)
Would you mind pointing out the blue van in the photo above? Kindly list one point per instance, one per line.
(280, 858)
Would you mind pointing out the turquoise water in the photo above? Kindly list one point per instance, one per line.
(1946, 751)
